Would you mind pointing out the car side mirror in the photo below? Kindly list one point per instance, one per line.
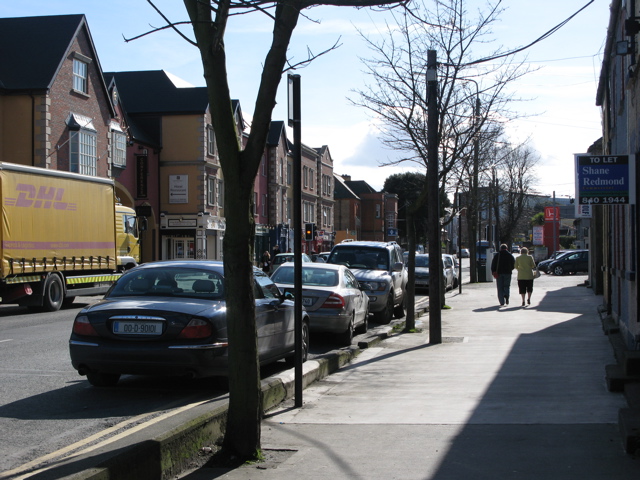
(398, 266)
(289, 296)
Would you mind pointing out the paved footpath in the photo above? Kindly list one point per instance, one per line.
(511, 393)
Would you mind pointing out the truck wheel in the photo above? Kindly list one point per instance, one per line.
(52, 294)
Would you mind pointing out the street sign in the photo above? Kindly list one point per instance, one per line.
(178, 189)
(605, 179)
(551, 214)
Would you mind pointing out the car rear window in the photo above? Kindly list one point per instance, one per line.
(319, 277)
(170, 282)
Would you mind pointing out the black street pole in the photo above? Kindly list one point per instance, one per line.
(294, 121)
(433, 191)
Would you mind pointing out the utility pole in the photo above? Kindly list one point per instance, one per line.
(295, 122)
(474, 218)
(433, 205)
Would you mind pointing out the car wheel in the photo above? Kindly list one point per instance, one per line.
(455, 283)
(398, 311)
(345, 338)
(52, 294)
(100, 379)
(386, 314)
(365, 324)
(558, 270)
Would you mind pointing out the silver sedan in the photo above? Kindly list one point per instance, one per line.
(332, 297)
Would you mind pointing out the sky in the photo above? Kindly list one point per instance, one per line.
(560, 115)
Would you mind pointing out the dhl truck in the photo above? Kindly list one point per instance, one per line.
(62, 235)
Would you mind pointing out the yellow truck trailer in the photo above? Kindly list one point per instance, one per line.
(62, 235)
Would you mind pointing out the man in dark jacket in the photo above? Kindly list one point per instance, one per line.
(501, 267)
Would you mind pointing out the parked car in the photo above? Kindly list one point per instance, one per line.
(448, 271)
(170, 318)
(379, 264)
(281, 258)
(515, 248)
(332, 297)
(464, 253)
(573, 262)
(324, 256)
(543, 265)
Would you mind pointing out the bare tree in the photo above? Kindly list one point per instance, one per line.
(209, 19)
(473, 97)
(514, 178)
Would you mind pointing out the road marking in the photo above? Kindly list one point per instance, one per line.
(7, 340)
(25, 468)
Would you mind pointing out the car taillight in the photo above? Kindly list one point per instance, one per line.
(197, 328)
(82, 326)
(333, 301)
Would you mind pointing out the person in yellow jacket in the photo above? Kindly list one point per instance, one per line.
(525, 267)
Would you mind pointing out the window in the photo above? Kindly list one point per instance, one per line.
(255, 203)
(281, 167)
(326, 185)
(264, 165)
(289, 173)
(80, 70)
(119, 148)
(305, 177)
(377, 210)
(264, 204)
(311, 181)
(220, 193)
(83, 152)
(211, 190)
(211, 141)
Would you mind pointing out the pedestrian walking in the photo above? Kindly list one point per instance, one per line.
(525, 265)
(275, 251)
(501, 268)
(266, 262)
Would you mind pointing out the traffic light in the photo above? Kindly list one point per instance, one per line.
(309, 231)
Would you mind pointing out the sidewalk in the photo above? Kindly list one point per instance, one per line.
(511, 393)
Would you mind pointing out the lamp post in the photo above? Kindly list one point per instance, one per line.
(435, 314)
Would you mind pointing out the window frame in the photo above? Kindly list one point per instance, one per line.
(211, 191)
(118, 144)
(83, 155)
(211, 141)
(80, 72)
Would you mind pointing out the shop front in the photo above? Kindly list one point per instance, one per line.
(191, 236)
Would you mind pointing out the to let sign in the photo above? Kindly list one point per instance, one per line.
(604, 179)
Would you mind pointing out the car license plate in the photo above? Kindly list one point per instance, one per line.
(137, 328)
(307, 301)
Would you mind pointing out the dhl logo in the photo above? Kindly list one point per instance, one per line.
(40, 197)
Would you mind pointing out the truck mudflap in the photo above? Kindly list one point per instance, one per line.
(15, 292)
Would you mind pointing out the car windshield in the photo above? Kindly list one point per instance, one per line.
(422, 261)
(170, 282)
(312, 277)
(361, 257)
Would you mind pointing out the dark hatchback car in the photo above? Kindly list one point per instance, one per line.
(543, 265)
(170, 318)
(572, 262)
